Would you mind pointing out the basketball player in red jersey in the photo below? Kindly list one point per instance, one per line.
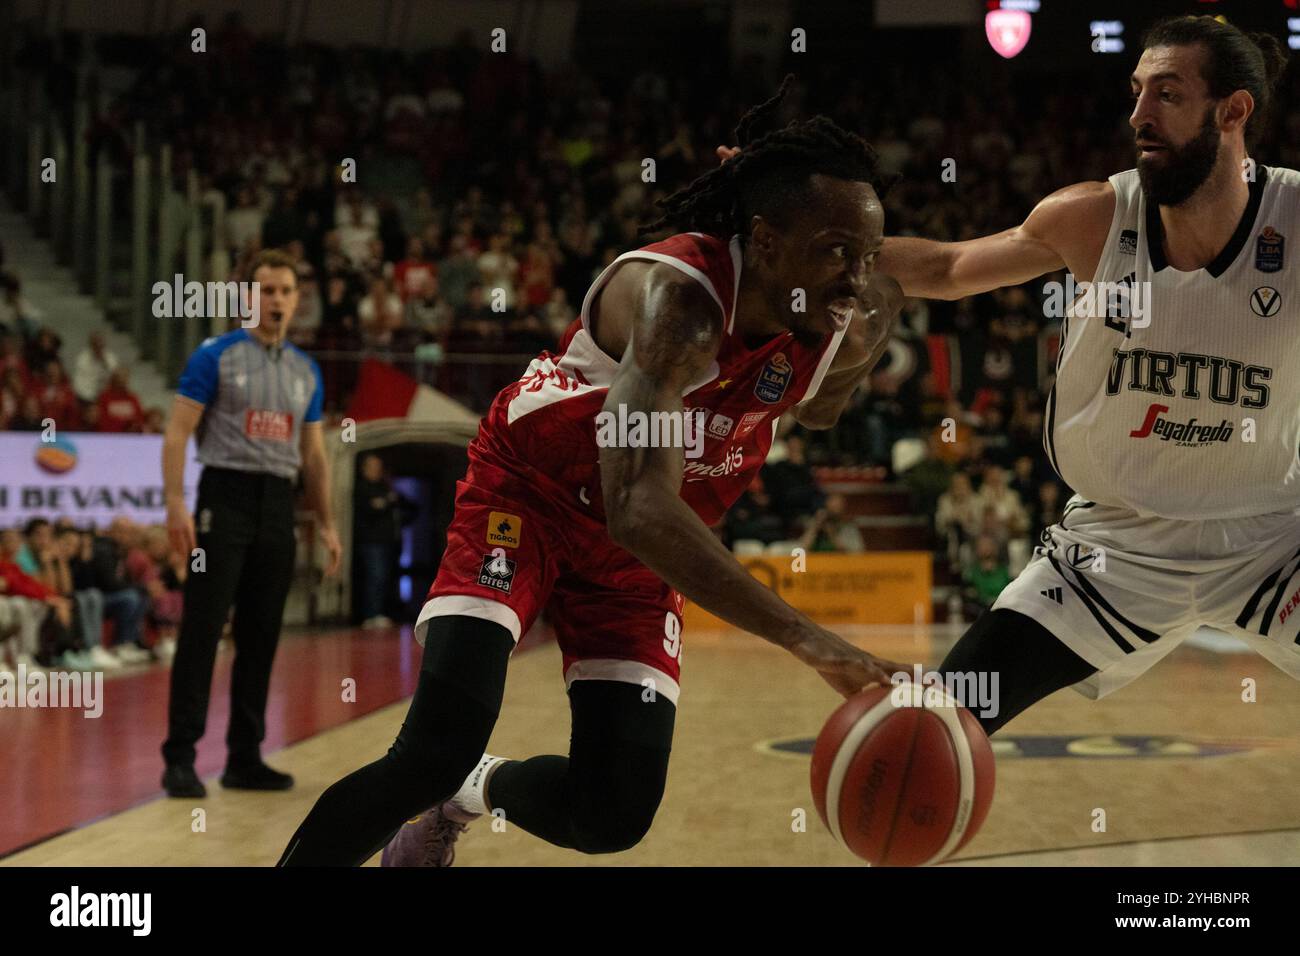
(763, 304)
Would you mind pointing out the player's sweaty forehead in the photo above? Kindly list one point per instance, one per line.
(841, 209)
(1178, 67)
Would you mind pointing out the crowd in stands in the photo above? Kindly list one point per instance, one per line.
(36, 386)
(85, 599)
(488, 195)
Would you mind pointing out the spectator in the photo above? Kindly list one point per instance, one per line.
(498, 269)
(832, 530)
(751, 517)
(986, 575)
(123, 603)
(428, 311)
(28, 417)
(244, 222)
(1024, 480)
(58, 400)
(377, 528)
(357, 228)
(794, 491)
(958, 515)
(380, 313)
(16, 313)
(38, 537)
(76, 549)
(150, 567)
(93, 367)
(458, 272)
(118, 409)
(43, 349)
(411, 273)
(11, 398)
(558, 314)
(995, 493)
(536, 278)
(11, 358)
(71, 646)
(25, 603)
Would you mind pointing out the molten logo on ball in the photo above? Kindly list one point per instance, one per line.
(902, 785)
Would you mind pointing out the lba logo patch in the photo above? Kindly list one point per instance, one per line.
(774, 379)
(1269, 248)
(503, 529)
(497, 571)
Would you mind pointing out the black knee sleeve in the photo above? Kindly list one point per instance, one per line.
(618, 764)
(1029, 660)
(462, 679)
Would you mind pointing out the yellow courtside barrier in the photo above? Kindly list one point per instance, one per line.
(884, 587)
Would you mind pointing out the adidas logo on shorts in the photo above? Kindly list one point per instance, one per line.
(1053, 593)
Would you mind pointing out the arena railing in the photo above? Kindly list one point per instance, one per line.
(119, 226)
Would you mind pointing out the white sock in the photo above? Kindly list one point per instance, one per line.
(472, 795)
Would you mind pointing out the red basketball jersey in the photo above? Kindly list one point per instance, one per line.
(544, 427)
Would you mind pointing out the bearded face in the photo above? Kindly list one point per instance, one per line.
(1170, 173)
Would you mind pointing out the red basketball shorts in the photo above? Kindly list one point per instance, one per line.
(512, 553)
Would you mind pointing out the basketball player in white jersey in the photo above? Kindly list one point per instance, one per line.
(1176, 410)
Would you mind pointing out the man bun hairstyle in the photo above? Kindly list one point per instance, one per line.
(1253, 62)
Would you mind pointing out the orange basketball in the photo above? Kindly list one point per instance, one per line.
(902, 776)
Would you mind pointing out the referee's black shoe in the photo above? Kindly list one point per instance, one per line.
(255, 776)
(180, 780)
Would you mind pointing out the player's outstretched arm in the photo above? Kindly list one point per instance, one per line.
(864, 343)
(676, 330)
(1068, 228)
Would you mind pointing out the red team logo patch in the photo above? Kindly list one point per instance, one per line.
(748, 422)
(268, 425)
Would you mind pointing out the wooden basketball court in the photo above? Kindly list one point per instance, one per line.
(1184, 770)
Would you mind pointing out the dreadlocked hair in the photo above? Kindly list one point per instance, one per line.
(770, 176)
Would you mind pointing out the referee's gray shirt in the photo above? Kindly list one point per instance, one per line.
(255, 401)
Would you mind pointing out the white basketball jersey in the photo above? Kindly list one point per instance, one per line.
(1178, 393)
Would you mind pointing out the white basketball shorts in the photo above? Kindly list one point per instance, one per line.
(1122, 590)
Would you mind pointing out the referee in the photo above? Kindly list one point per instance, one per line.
(255, 404)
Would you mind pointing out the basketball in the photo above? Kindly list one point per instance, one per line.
(902, 776)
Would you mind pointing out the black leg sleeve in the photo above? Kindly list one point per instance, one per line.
(462, 679)
(1029, 660)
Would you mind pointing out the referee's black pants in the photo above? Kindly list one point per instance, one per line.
(244, 525)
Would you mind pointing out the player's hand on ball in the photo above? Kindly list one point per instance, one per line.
(843, 666)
